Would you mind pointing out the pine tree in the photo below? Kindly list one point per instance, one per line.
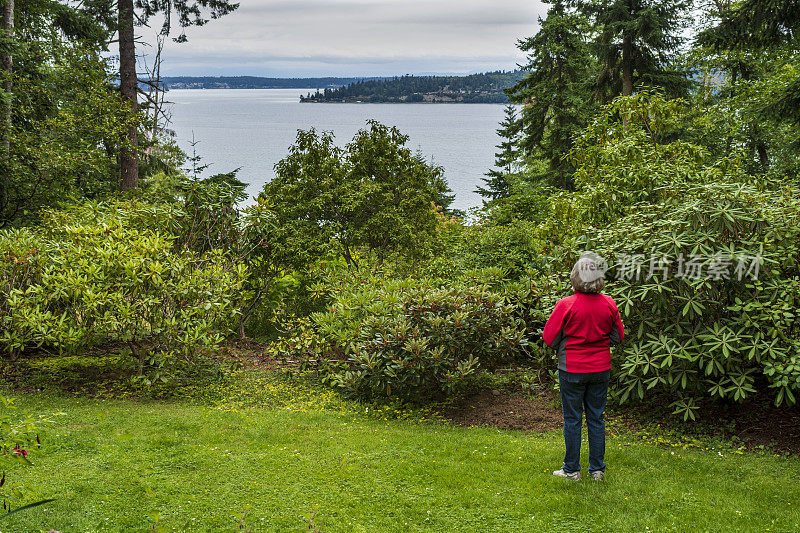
(195, 160)
(635, 44)
(555, 93)
(496, 180)
(188, 13)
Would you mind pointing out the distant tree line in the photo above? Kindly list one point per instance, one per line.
(475, 88)
(255, 82)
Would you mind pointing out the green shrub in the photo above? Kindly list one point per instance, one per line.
(661, 207)
(207, 218)
(515, 249)
(202, 216)
(721, 335)
(98, 272)
(383, 336)
(374, 195)
(532, 300)
(631, 154)
(74, 372)
(426, 343)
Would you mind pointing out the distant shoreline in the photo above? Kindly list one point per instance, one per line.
(486, 88)
(315, 101)
(242, 88)
(393, 102)
(257, 82)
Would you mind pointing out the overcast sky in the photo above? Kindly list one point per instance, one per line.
(289, 38)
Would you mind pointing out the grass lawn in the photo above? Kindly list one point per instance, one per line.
(123, 465)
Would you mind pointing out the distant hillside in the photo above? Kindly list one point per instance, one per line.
(255, 82)
(475, 88)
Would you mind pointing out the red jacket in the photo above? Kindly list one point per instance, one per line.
(582, 329)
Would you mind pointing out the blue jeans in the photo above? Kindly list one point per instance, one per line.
(581, 392)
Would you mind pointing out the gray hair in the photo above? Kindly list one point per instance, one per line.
(587, 275)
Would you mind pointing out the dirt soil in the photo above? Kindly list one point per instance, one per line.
(506, 410)
(768, 427)
(757, 424)
(754, 424)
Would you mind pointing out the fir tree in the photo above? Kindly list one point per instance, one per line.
(635, 43)
(139, 12)
(555, 92)
(761, 25)
(496, 180)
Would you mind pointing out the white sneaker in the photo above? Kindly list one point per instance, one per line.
(598, 475)
(575, 476)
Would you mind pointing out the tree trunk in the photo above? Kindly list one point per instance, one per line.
(128, 86)
(245, 316)
(627, 64)
(562, 126)
(763, 158)
(138, 354)
(8, 67)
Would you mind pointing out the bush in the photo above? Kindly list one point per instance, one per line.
(202, 216)
(374, 195)
(93, 273)
(516, 249)
(84, 373)
(728, 328)
(471, 315)
(425, 343)
(721, 335)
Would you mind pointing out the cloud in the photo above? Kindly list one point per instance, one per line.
(347, 36)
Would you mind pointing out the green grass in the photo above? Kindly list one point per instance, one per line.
(120, 465)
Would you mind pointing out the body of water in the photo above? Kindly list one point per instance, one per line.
(253, 129)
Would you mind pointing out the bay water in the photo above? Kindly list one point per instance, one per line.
(253, 129)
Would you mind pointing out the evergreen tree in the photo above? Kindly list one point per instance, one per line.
(189, 13)
(496, 180)
(636, 41)
(759, 25)
(7, 65)
(54, 77)
(555, 92)
(79, 22)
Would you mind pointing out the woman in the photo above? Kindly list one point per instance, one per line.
(582, 329)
